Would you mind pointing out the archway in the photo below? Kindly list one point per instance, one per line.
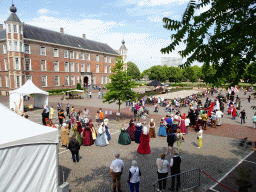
(85, 81)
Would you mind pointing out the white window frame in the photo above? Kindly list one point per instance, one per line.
(88, 56)
(97, 68)
(54, 66)
(27, 46)
(17, 64)
(15, 30)
(7, 81)
(55, 52)
(10, 45)
(77, 55)
(1, 83)
(67, 78)
(72, 67)
(20, 29)
(15, 45)
(65, 53)
(77, 67)
(21, 47)
(82, 56)
(88, 67)
(72, 80)
(105, 69)
(82, 67)
(66, 68)
(109, 59)
(106, 79)
(77, 79)
(45, 80)
(105, 59)
(109, 69)
(71, 53)
(25, 64)
(43, 65)
(5, 64)
(9, 28)
(26, 77)
(4, 49)
(43, 50)
(101, 80)
(58, 82)
(97, 58)
(17, 80)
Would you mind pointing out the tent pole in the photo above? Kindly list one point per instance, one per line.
(57, 158)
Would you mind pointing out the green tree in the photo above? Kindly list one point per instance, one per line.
(198, 71)
(133, 70)
(119, 90)
(175, 74)
(232, 43)
(250, 74)
(157, 72)
(189, 74)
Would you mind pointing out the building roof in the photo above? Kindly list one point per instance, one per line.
(14, 18)
(49, 36)
(123, 46)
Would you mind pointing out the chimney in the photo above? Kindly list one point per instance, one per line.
(61, 30)
(1, 27)
(84, 36)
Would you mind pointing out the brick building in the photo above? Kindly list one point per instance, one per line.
(53, 60)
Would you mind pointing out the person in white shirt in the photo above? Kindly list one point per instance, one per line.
(162, 171)
(187, 122)
(200, 136)
(218, 117)
(134, 177)
(116, 169)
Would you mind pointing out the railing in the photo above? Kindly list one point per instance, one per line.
(185, 181)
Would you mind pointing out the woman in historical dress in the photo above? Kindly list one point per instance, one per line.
(64, 135)
(76, 133)
(152, 132)
(144, 147)
(79, 127)
(234, 112)
(131, 130)
(138, 131)
(182, 125)
(162, 128)
(87, 140)
(107, 131)
(101, 139)
(124, 138)
(94, 134)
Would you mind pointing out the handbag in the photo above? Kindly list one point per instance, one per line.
(128, 180)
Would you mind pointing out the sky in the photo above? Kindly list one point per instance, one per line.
(139, 22)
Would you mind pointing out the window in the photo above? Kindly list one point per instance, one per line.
(105, 59)
(9, 28)
(43, 65)
(88, 68)
(82, 56)
(77, 67)
(88, 56)
(66, 67)
(82, 67)
(15, 46)
(10, 46)
(6, 81)
(27, 64)
(17, 64)
(17, 81)
(101, 79)
(71, 54)
(5, 65)
(77, 55)
(109, 69)
(77, 79)
(28, 77)
(97, 68)
(56, 66)
(42, 51)
(21, 46)
(109, 59)
(94, 79)
(72, 67)
(56, 52)
(106, 79)
(15, 28)
(56, 81)
(105, 69)
(20, 29)
(44, 81)
(65, 53)
(72, 80)
(97, 58)
(66, 80)
(1, 81)
(26, 48)
(4, 49)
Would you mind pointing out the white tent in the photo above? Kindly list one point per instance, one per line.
(28, 154)
(16, 96)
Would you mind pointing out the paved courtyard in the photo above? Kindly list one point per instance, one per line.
(220, 151)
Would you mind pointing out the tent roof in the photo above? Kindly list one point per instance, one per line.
(155, 83)
(29, 88)
(76, 90)
(17, 130)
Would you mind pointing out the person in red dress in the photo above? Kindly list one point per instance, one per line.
(144, 147)
(87, 140)
(234, 112)
(79, 127)
(131, 130)
(182, 125)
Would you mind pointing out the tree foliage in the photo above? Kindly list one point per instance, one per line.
(133, 70)
(232, 44)
(119, 90)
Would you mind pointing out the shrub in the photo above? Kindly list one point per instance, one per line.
(78, 86)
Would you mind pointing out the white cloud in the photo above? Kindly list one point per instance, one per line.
(160, 2)
(155, 18)
(42, 11)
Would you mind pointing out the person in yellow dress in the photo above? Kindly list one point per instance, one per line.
(51, 112)
(64, 135)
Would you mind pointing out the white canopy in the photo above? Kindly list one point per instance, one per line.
(76, 90)
(16, 96)
(28, 154)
